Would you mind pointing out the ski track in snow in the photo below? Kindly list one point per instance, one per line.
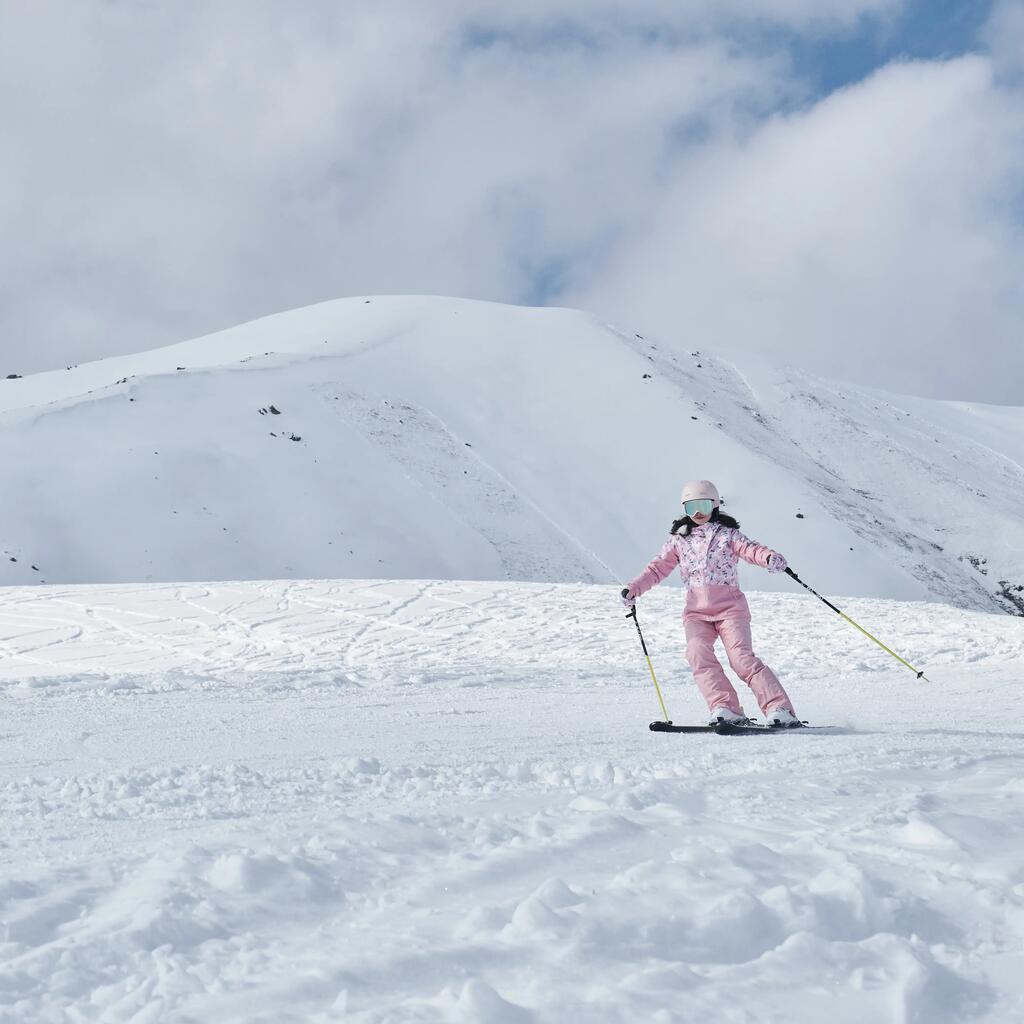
(381, 801)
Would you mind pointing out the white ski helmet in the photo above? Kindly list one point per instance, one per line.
(700, 489)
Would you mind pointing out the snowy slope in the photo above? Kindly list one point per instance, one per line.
(438, 438)
(383, 802)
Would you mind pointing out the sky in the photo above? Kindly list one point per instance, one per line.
(829, 184)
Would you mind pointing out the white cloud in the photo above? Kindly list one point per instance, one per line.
(1004, 34)
(171, 169)
(872, 236)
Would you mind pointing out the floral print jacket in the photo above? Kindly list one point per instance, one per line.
(707, 557)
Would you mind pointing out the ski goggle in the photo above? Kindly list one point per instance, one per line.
(699, 507)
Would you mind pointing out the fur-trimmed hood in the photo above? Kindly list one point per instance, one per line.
(686, 524)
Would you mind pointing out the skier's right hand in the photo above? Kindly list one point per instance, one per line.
(628, 598)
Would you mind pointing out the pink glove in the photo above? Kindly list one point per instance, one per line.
(628, 598)
(776, 563)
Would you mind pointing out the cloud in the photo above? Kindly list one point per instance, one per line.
(1004, 35)
(172, 169)
(169, 169)
(875, 236)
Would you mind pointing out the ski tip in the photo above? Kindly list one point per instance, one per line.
(660, 726)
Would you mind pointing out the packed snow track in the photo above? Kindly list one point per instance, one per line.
(399, 802)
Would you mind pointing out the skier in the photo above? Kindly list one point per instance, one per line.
(706, 544)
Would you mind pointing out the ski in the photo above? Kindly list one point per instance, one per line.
(669, 727)
(723, 729)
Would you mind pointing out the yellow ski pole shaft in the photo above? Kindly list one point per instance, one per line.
(654, 678)
(842, 614)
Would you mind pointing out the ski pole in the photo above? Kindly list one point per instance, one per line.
(661, 700)
(920, 675)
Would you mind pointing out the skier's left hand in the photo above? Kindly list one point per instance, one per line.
(628, 599)
(776, 563)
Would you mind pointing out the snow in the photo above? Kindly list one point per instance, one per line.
(385, 801)
(362, 783)
(431, 438)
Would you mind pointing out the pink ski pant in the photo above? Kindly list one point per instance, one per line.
(711, 678)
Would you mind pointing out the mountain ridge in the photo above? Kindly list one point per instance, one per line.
(425, 437)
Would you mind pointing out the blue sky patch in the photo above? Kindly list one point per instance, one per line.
(923, 30)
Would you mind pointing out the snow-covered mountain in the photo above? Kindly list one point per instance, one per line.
(411, 437)
(387, 799)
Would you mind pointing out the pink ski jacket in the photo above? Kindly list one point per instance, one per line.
(707, 561)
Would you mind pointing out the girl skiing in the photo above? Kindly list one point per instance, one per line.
(706, 545)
